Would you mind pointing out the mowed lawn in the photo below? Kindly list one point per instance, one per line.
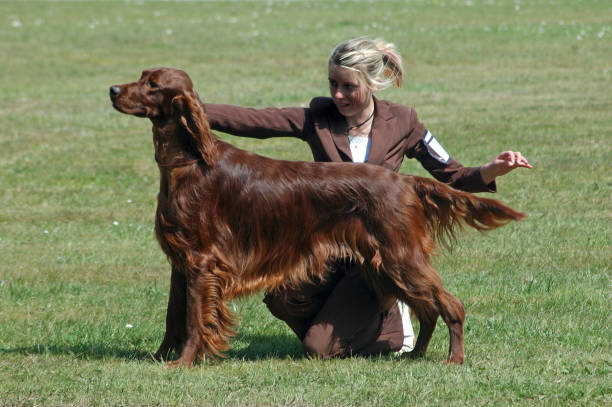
(84, 285)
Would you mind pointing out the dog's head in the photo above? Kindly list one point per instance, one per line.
(166, 96)
(153, 94)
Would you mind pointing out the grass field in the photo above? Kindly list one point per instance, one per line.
(84, 286)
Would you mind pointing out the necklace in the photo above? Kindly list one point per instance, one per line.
(360, 124)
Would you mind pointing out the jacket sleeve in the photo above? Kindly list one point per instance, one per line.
(258, 123)
(467, 179)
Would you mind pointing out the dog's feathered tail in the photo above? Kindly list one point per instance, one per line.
(447, 208)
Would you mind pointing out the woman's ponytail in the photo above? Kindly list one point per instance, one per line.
(394, 70)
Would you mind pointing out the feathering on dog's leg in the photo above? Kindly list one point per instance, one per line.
(209, 321)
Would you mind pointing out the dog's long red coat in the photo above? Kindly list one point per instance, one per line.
(233, 223)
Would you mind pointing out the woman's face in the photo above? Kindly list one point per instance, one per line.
(349, 94)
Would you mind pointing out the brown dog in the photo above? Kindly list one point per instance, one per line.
(233, 223)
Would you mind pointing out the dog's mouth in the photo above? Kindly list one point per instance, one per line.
(138, 111)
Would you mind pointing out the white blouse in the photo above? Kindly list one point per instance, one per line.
(360, 148)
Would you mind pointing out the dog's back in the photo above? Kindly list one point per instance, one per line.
(283, 221)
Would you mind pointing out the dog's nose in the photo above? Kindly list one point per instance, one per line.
(114, 90)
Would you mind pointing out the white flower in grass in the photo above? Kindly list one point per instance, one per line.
(115, 223)
(169, 31)
(16, 23)
(129, 326)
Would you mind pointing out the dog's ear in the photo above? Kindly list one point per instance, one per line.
(191, 117)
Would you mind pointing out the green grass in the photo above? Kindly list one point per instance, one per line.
(83, 284)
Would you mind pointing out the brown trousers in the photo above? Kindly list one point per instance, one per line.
(338, 317)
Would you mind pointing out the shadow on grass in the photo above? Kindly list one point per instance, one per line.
(84, 351)
(259, 347)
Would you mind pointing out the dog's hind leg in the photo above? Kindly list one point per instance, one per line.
(428, 318)
(453, 314)
(420, 286)
(439, 302)
(416, 289)
(176, 329)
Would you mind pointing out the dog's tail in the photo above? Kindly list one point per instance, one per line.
(446, 208)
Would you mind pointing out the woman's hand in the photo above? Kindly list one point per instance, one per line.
(503, 164)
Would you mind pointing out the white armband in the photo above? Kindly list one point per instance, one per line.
(435, 149)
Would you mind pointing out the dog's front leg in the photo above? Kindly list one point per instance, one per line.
(192, 348)
(176, 330)
(208, 320)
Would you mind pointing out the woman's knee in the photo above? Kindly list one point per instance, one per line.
(319, 343)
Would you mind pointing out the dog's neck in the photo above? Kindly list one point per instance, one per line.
(173, 159)
(170, 151)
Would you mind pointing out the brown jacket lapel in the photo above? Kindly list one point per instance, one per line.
(382, 132)
(338, 132)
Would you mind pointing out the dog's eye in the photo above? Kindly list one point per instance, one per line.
(153, 84)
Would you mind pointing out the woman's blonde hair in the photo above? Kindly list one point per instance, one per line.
(377, 61)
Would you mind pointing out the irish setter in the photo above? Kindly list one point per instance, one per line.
(233, 223)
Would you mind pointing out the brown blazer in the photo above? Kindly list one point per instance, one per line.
(396, 132)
